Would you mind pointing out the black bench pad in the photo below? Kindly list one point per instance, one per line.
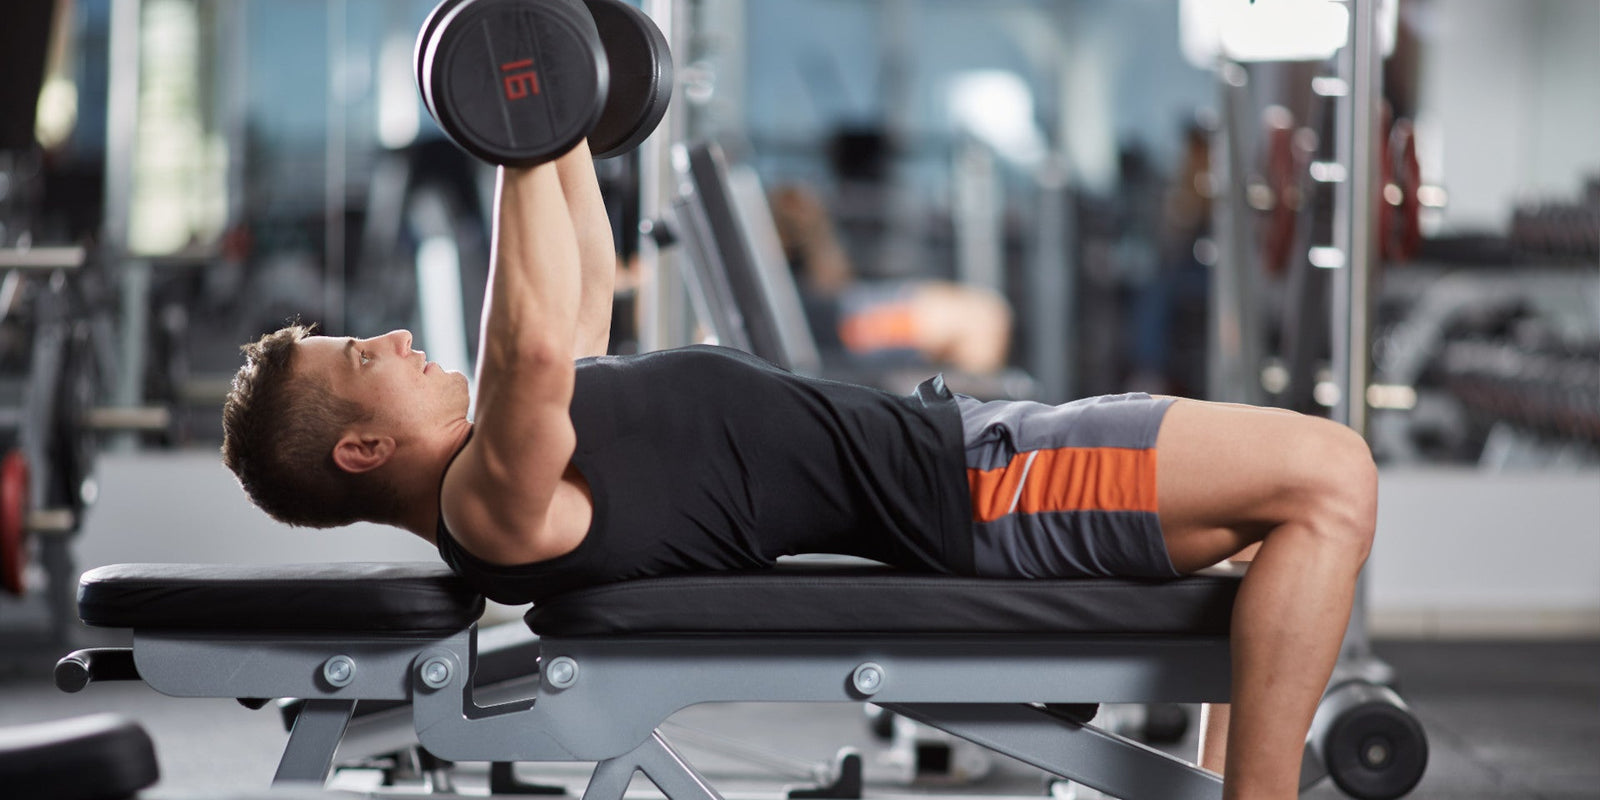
(84, 758)
(871, 600)
(418, 597)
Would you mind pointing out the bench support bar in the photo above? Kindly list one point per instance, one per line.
(308, 756)
(1115, 765)
(660, 763)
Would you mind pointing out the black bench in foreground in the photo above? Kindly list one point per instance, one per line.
(974, 657)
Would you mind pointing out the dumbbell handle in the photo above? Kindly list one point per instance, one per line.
(83, 667)
(51, 521)
(130, 418)
(105, 418)
(42, 258)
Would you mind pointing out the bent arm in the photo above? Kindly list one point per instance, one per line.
(596, 250)
(498, 494)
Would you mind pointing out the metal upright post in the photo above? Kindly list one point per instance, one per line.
(122, 125)
(1354, 235)
(663, 304)
(131, 277)
(1052, 286)
(1234, 342)
(334, 195)
(233, 98)
(978, 205)
(902, 248)
(1058, 330)
(1354, 231)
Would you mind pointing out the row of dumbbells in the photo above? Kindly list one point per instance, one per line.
(1557, 230)
(1555, 392)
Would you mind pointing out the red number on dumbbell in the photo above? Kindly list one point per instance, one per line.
(520, 84)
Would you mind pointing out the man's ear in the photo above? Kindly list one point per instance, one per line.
(357, 453)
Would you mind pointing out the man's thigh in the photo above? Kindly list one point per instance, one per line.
(1227, 474)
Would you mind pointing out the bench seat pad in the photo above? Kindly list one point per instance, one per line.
(874, 600)
(419, 597)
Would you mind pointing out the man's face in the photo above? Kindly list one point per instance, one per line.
(386, 377)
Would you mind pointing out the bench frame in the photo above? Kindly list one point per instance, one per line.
(623, 688)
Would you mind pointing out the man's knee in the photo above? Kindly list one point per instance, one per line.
(1338, 486)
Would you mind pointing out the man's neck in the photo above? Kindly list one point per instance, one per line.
(420, 495)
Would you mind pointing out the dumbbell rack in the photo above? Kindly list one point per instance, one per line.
(57, 423)
(33, 420)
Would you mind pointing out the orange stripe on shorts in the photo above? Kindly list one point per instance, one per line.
(882, 328)
(1066, 479)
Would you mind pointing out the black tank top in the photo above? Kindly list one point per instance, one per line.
(704, 458)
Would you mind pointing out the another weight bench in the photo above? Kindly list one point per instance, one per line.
(967, 656)
(94, 757)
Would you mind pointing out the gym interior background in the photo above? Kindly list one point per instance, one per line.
(1152, 186)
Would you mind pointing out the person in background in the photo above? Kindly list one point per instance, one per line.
(932, 321)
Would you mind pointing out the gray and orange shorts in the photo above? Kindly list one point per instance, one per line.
(1065, 491)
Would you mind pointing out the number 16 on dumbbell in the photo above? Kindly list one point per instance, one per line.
(520, 82)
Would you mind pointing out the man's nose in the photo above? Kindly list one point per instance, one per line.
(401, 339)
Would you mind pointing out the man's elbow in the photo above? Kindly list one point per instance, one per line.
(542, 354)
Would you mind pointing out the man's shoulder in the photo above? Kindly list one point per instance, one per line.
(493, 507)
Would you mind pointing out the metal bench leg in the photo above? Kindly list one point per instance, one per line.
(610, 779)
(660, 763)
(308, 756)
(1105, 761)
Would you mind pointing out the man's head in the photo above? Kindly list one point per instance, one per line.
(314, 426)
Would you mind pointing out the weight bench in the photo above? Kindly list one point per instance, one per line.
(94, 757)
(969, 656)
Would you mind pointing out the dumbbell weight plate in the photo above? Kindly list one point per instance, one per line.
(425, 37)
(641, 77)
(430, 25)
(1283, 175)
(73, 445)
(1375, 749)
(1407, 177)
(13, 522)
(1387, 211)
(513, 82)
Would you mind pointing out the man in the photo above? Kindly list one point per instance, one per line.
(701, 458)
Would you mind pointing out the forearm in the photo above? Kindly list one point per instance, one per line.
(597, 255)
(532, 307)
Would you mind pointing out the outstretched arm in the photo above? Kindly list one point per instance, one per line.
(596, 250)
(498, 494)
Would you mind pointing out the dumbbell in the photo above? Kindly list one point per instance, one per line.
(520, 82)
(1366, 738)
(14, 481)
(19, 523)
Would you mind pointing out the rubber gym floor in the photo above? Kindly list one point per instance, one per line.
(1506, 720)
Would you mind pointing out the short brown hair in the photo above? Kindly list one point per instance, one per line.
(278, 433)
